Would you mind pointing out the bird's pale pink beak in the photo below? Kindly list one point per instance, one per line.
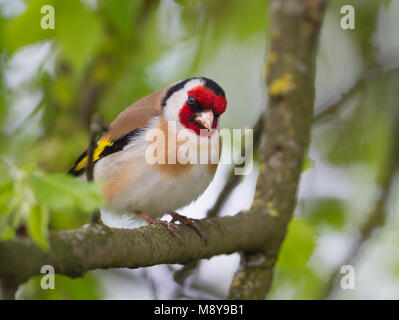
(204, 119)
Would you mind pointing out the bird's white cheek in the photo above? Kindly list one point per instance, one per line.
(171, 113)
(173, 106)
(177, 100)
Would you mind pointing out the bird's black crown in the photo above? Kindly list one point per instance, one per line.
(208, 84)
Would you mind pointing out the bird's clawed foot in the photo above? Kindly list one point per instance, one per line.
(189, 222)
(171, 226)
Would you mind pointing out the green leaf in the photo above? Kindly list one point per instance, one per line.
(325, 211)
(37, 225)
(87, 287)
(7, 233)
(63, 192)
(366, 21)
(78, 31)
(26, 29)
(364, 136)
(121, 15)
(298, 245)
(6, 194)
(6, 202)
(297, 284)
(5, 174)
(307, 164)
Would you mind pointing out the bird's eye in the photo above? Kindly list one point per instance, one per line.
(191, 100)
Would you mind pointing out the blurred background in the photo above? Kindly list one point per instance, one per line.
(105, 54)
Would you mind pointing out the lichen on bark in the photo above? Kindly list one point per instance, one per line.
(295, 26)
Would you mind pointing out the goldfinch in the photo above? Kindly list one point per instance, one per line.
(138, 186)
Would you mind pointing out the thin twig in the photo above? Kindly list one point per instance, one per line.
(97, 127)
(181, 275)
(24, 123)
(330, 109)
(234, 180)
(147, 277)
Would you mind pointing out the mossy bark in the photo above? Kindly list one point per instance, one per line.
(295, 26)
(73, 252)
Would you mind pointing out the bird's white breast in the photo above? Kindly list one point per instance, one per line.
(148, 189)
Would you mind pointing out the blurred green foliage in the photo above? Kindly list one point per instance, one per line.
(328, 212)
(85, 288)
(366, 19)
(353, 139)
(300, 238)
(27, 196)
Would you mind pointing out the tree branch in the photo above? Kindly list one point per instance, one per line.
(74, 252)
(8, 289)
(295, 26)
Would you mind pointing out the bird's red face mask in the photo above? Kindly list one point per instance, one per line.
(202, 109)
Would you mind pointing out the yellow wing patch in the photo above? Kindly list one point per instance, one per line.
(101, 145)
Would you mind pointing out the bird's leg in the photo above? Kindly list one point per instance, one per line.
(187, 221)
(172, 227)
